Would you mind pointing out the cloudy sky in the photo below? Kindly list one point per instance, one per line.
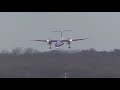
(102, 29)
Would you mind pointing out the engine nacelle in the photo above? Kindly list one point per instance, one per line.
(69, 41)
(49, 43)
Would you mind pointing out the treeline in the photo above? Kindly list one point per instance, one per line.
(20, 51)
(28, 63)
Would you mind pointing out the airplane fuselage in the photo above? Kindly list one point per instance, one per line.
(59, 43)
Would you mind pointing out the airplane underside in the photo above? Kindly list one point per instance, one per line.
(60, 42)
(58, 47)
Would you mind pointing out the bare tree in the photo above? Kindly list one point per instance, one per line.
(4, 52)
(17, 51)
(28, 51)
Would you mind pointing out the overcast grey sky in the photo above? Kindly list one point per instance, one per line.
(102, 29)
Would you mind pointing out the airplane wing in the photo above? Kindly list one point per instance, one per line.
(53, 40)
(45, 40)
(79, 39)
(39, 40)
(74, 40)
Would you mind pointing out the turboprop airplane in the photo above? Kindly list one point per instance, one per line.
(61, 41)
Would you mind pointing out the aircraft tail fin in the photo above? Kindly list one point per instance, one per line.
(61, 31)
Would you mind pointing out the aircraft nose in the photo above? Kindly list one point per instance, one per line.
(56, 44)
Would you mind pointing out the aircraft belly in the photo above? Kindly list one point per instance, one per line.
(58, 44)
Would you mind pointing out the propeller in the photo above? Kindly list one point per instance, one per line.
(70, 40)
(48, 41)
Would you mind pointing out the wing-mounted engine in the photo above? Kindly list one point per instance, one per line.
(69, 41)
(49, 43)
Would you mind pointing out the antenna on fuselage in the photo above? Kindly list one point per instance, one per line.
(61, 31)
